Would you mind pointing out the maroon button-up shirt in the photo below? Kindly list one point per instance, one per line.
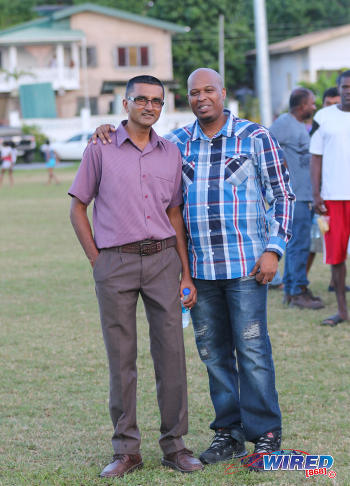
(132, 188)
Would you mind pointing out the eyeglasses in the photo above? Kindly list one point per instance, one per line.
(143, 101)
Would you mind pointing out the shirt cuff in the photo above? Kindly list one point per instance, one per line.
(277, 245)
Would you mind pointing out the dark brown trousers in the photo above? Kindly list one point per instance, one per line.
(119, 279)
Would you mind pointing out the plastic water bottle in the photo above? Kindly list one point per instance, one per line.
(186, 315)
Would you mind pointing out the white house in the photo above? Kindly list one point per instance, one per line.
(303, 58)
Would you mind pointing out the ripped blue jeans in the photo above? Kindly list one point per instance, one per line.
(231, 334)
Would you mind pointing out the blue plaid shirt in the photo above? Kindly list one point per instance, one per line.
(224, 182)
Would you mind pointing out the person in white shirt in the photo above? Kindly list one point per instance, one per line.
(330, 172)
(8, 158)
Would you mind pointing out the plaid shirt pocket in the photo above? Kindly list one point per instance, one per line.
(237, 169)
(188, 172)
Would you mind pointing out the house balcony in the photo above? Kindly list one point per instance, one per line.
(65, 78)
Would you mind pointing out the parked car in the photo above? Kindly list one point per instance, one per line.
(73, 148)
(25, 144)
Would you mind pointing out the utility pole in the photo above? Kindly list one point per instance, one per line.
(222, 47)
(262, 62)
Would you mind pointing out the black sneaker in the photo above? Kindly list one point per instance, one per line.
(223, 447)
(266, 444)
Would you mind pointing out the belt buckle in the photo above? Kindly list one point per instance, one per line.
(145, 248)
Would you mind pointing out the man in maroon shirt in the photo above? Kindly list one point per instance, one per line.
(138, 247)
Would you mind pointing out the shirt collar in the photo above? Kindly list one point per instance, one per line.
(227, 130)
(122, 135)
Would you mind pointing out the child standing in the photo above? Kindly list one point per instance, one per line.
(51, 159)
(8, 158)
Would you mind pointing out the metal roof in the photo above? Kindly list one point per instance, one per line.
(121, 14)
(303, 41)
(49, 21)
(33, 35)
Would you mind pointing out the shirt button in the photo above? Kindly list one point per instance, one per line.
(208, 207)
(212, 253)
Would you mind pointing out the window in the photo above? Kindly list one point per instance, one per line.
(91, 57)
(76, 138)
(93, 105)
(132, 56)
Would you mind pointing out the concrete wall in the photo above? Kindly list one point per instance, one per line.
(286, 72)
(330, 55)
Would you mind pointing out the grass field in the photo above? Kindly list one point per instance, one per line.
(55, 427)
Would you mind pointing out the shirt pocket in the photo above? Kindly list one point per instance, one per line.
(188, 167)
(237, 169)
(164, 188)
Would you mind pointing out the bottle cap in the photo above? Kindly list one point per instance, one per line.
(186, 291)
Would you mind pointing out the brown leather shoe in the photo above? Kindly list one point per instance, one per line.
(182, 461)
(305, 301)
(122, 464)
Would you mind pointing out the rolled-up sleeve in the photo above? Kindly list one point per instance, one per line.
(275, 178)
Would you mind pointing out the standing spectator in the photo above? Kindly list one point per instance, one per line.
(8, 157)
(290, 130)
(138, 248)
(330, 97)
(330, 168)
(51, 159)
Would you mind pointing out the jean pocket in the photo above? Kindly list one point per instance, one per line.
(247, 278)
(237, 169)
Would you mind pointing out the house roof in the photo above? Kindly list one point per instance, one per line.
(32, 35)
(60, 15)
(121, 14)
(303, 41)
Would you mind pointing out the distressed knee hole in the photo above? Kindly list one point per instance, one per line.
(252, 330)
(203, 352)
(201, 331)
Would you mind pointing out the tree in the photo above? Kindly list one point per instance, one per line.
(199, 47)
(325, 80)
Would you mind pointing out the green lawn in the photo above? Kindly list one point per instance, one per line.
(55, 426)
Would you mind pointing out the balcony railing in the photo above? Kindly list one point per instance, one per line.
(65, 78)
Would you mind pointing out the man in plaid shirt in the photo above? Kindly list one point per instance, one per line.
(228, 166)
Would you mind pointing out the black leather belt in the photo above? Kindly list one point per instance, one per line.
(147, 247)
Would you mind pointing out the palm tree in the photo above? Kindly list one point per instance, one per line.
(16, 75)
